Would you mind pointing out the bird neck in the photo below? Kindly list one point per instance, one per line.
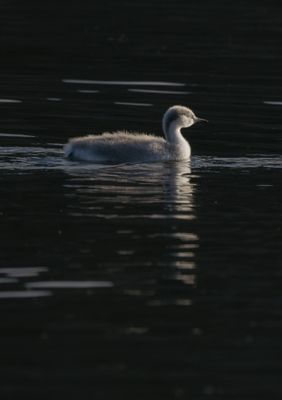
(173, 133)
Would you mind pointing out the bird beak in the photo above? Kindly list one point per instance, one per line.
(201, 120)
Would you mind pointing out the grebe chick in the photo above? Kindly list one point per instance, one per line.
(122, 146)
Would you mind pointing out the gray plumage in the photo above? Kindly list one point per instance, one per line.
(122, 146)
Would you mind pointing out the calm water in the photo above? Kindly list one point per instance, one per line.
(141, 281)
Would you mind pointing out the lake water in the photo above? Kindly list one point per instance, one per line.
(141, 281)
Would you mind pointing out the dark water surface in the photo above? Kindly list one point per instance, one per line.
(141, 281)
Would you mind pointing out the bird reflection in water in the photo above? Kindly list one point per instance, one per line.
(140, 221)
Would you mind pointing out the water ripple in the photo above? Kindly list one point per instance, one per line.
(68, 284)
(10, 101)
(122, 83)
(24, 294)
(29, 158)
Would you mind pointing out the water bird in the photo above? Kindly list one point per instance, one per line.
(123, 146)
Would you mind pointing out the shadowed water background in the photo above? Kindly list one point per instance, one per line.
(133, 281)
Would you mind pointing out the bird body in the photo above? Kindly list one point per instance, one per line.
(118, 147)
(122, 146)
